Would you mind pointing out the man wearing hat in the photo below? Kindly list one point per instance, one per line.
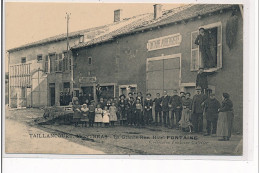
(211, 106)
(165, 108)
(203, 41)
(175, 106)
(148, 105)
(201, 80)
(197, 110)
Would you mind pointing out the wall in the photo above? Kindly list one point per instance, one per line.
(39, 93)
(131, 53)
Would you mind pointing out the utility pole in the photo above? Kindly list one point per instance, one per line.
(68, 54)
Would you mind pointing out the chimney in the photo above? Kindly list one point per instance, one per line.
(157, 11)
(117, 15)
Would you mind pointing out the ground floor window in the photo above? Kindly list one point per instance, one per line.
(126, 89)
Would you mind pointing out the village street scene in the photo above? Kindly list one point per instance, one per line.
(164, 82)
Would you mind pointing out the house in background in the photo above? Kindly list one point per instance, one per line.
(40, 71)
(161, 54)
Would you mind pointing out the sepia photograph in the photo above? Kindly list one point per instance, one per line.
(123, 79)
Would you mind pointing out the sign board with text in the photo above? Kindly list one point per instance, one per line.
(164, 42)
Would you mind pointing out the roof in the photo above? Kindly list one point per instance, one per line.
(169, 16)
(75, 34)
(191, 12)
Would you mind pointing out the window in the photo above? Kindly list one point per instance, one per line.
(58, 62)
(81, 39)
(23, 60)
(39, 58)
(214, 34)
(46, 64)
(65, 61)
(52, 63)
(89, 60)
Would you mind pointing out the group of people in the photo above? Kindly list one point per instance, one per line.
(177, 111)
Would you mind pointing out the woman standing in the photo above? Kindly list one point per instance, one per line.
(185, 122)
(122, 110)
(225, 118)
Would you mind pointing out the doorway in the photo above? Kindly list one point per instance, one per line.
(52, 94)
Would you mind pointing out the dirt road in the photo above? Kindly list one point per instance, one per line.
(23, 136)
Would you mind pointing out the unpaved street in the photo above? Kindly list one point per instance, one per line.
(24, 136)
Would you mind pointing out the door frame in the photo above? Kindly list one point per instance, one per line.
(163, 57)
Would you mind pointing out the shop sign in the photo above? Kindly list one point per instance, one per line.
(164, 42)
(87, 80)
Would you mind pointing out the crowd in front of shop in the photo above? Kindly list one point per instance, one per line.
(178, 111)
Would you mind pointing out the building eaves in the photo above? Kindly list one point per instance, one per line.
(169, 17)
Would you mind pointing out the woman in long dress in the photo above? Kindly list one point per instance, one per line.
(186, 113)
(225, 118)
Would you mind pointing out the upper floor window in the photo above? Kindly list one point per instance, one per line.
(89, 60)
(206, 48)
(39, 58)
(46, 64)
(81, 39)
(23, 60)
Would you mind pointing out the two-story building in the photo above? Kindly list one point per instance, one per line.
(40, 71)
(162, 55)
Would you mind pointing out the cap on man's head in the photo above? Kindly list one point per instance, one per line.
(201, 68)
(198, 88)
(175, 91)
(202, 29)
(148, 94)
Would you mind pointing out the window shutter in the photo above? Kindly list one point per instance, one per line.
(194, 64)
(219, 53)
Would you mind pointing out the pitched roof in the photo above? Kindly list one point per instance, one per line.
(75, 34)
(191, 12)
(169, 16)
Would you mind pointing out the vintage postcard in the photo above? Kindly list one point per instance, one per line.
(123, 79)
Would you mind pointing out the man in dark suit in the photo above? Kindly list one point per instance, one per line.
(175, 105)
(201, 80)
(197, 110)
(165, 109)
(203, 41)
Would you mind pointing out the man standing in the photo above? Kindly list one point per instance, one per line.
(197, 110)
(158, 109)
(203, 41)
(148, 105)
(201, 80)
(175, 105)
(211, 106)
(165, 108)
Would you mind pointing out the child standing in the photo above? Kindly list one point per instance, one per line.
(138, 112)
(91, 114)
(77, 113)
(106, 116)
(98, 116)
(108, 104)
(85, 112)
(113, 116)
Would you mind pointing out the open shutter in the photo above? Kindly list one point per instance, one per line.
(219, 52)
(194, 64)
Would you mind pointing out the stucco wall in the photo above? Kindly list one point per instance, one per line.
(132, 53)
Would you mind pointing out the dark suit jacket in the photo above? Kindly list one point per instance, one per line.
(165, 103)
